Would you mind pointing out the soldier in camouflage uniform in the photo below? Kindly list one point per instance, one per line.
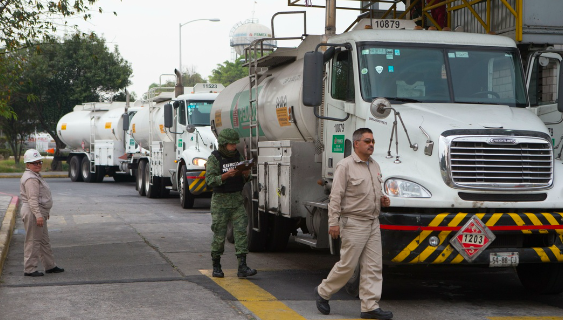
(227, 202)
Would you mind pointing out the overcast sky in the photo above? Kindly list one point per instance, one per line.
(146, 32)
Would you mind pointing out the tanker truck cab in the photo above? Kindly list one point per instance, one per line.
(462, 155)
(194, 141)
(469, 167)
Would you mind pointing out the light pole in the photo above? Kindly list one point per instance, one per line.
(180, 33)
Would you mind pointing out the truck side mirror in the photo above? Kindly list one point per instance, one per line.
(125, 118)
(560, 89)
(313, 79)
(168, 116)
(190, 128)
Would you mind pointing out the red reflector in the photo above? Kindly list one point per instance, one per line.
(194, 177)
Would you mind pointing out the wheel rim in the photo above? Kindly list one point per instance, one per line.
(140, 179)
(147, 176)
(182, 185)
(85, 169)
(73, 168)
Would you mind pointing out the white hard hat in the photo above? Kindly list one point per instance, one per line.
(31, 155)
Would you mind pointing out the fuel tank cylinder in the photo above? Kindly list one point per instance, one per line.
(141, 128)
(280, 112)
(101, 122)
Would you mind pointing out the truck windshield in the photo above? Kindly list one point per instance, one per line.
(198, 112)
(442, 74)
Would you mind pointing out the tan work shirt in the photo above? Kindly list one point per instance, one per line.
(356, 190)
(36, 194)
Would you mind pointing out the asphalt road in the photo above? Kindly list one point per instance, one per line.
(129, 257)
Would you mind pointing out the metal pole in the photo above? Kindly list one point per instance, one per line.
(180, 45)
(180, 25)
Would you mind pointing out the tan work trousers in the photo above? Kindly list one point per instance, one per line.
(37, 245)
(361, 243)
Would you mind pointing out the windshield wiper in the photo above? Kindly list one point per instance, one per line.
(403, 99)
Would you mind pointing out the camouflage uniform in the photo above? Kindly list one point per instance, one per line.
(226, 206)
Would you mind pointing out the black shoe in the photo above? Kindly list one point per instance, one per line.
(243, 270)
(377, 314)
(217, 271)
(55, 270)
(322, 304)
(33, 274)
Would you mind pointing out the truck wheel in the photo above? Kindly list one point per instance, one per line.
(74, 169)
(87, 176)
(230, 232)
(279, 230)
(141, 179)
(100, 173)
(353, 285)
(186, 197)
(151, 190)
(541, 278)
(256, 240)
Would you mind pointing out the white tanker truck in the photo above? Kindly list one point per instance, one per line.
(175, 140)
(94, 134)
(468, 165)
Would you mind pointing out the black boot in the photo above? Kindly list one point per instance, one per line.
(217, 272)
(243, 270)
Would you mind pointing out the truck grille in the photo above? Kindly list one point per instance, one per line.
(499, 163)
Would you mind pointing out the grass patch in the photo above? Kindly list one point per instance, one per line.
(9, 165)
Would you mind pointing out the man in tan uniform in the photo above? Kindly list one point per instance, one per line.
(353, 214)
(36, 205)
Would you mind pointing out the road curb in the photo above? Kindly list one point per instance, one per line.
(7, 229)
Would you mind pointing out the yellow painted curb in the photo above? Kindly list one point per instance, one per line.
(7, 229)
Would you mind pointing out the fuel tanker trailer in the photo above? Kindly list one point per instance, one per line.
(469, 169)
(94, 134)
(175, 140)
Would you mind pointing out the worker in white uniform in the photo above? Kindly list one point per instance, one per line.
(36, 206)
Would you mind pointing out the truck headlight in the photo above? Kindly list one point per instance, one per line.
(199, 162)
(405, 189)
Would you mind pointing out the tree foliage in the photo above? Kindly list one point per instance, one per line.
(228, 72)
(74, 71)
(26, 22)
(18, 122)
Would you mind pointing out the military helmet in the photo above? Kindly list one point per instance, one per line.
(228, 136)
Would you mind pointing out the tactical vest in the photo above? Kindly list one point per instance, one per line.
(230, 185)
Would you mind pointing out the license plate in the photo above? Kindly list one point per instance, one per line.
(503, 259)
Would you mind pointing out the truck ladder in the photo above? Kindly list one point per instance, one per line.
(92, 152)
(251, 52)
(151, 96)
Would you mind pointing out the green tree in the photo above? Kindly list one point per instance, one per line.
(18, 124)
(190, 77)
(228, 72)
(77, 70)
(10, 66)
(27, 22)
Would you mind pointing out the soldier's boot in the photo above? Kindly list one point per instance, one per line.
(243, 270)
(217, 271)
